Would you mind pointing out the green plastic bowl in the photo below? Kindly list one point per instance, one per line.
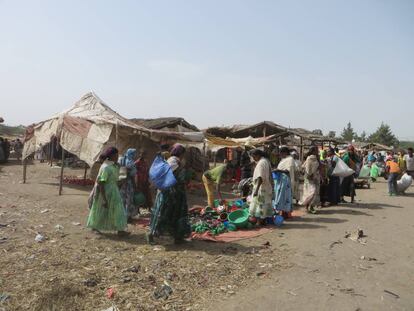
(239, 218)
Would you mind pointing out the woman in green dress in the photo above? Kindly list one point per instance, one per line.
(170, 211)
(107, 212)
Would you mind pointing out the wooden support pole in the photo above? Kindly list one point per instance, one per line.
(205, 164)
(116, 135)
(85, 173)
(215, 158)
(61, 172)
(51, 152)
(24, 170)
(301, 149)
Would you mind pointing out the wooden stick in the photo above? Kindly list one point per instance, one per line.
(84, 175)
(51, 152)
(116, 135)
(24, 170)
(301, 150)
(61, 172)
(205, 164)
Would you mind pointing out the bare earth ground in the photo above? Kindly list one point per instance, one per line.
(307, 265)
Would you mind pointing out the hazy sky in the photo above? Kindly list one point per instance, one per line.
(310, 63)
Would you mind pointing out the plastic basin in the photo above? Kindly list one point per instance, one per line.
(239, 218)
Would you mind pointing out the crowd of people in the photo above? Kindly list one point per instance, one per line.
(8, 147)
(271, 183)
(121, 179)
(396, 166)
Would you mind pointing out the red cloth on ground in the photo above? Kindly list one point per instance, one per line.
(231, 236)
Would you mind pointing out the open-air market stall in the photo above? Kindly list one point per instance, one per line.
(87, 128)
(84, 131)
(375, 147)
(272, 133)
(262, 129)
(303, 139)
(177, 130)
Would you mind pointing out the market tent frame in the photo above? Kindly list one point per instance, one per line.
(261, 129)
(174, 124)
(90, 125)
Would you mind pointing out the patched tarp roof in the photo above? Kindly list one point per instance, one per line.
(164, 123)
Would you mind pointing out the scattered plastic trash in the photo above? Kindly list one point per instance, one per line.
(4, 297)
(39, 238)
(110, 293)
(76, 223)
(90, 283)
(164, 292)
(44, 211)
(113, 308)
(356, 236)
(59, 227)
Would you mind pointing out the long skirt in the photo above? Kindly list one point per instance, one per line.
(110, 217)
(261, 205)
(348, 187)
(127, 193)
(283, 193)
(311, 193)
(323, 192)
(334, 190)
(170, 213)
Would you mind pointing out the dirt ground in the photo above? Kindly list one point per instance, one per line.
(308, 264)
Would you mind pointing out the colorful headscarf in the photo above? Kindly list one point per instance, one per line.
(129, 157)
(109, 152)
(177, 150)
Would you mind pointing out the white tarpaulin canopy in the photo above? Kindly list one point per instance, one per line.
(84, 130)
(90, 125)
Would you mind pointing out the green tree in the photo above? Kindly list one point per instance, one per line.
(383, 135)
(363, 137)
(332, 134)
(348, 133)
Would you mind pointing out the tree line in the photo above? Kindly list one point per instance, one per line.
(383, 135)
